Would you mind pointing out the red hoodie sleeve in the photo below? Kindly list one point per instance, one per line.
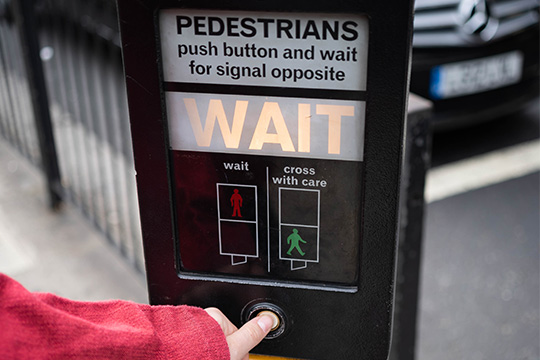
(44, 326)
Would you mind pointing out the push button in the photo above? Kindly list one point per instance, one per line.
(275, 318)
(279, 324)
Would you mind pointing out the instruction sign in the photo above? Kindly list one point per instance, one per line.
(266, 118)
(303, 50)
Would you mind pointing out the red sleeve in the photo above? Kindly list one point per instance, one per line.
(45, 326)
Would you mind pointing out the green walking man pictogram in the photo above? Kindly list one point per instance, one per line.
(294, 239)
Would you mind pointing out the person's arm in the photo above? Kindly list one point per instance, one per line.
(45, 326)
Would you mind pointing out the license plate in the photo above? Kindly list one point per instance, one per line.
(474, 76)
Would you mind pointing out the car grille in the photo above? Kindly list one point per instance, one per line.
(465, 23)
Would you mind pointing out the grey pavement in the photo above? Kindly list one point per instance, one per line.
(480, 291)
(56, 252)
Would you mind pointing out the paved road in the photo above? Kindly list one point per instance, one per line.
(480, 275)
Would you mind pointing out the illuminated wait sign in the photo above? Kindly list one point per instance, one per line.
(294, 127)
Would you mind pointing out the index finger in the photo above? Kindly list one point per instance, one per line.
(249, 336)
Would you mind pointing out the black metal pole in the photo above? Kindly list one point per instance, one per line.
(27, 25)
(416, 163)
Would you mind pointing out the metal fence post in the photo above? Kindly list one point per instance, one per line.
(416, 163)
(27, 24)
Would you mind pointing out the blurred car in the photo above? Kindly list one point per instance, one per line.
(475, 59)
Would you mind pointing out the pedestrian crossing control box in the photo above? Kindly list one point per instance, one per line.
(268, 145)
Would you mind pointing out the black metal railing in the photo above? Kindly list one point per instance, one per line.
(16, 115)
(80, 55)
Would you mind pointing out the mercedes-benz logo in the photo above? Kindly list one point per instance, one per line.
(475, 20)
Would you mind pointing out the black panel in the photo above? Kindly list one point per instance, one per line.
(318, 198)
(325, 319)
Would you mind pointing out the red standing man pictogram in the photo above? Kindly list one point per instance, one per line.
(236, 203)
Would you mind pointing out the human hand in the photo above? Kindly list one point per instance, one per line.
(242, 340)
